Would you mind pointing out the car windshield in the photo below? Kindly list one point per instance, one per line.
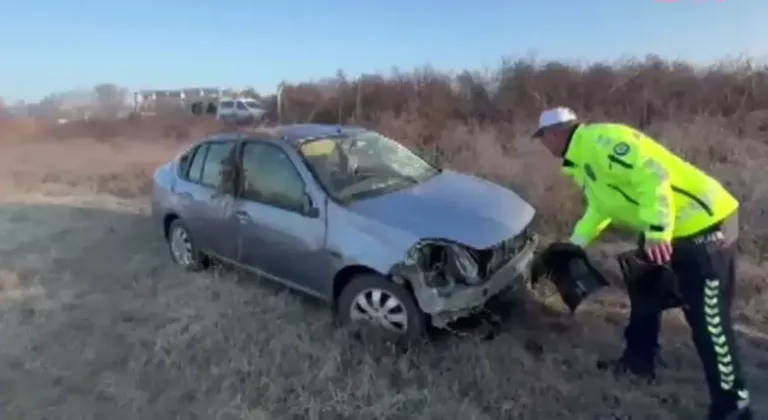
(363, 165)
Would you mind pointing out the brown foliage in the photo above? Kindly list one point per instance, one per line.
(641, 93)
(145, 128)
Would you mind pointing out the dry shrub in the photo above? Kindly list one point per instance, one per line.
(133, 128)
(639, 92)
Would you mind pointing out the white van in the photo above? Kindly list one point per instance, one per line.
(241, 110)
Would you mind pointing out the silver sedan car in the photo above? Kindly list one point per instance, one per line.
(347, 215)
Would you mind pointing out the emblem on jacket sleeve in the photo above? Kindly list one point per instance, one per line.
(621, 149)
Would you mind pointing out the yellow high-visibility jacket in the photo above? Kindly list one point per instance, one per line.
(631, 180)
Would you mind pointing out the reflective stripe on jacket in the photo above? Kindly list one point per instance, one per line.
(631, 180)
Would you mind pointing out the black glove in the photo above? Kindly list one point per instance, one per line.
(571, 271)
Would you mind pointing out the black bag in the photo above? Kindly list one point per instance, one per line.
(652, 287)
(569, 268)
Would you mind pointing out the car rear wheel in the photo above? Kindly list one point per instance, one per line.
(183, 251)
(374, 300)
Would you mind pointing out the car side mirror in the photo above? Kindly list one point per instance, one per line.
(308, 207)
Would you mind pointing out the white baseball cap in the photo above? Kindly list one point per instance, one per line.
(552, 116)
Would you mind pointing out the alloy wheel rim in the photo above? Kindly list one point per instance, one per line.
(380, 308)
(181, 247)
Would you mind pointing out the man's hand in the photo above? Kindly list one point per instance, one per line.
(658, 251)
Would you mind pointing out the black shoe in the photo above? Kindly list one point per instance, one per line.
(734, 414)
(643, 369)
(731, 406)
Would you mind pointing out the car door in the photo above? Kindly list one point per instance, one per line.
(207, 197)
(241, 110)
(226, 109)
(282, 228)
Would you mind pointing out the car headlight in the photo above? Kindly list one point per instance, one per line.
(462, 264)
(444, 264)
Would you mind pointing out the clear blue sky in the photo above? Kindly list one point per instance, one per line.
(53, 45)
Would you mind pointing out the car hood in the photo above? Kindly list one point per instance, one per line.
(452, 206)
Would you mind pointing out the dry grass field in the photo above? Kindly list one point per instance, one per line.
(95, 322)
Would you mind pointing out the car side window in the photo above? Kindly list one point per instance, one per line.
(241, 106)
(226, 104)
(195, 168)
(270, 177)
(218, 171)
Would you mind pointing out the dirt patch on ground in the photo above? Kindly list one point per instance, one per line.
(95, 323)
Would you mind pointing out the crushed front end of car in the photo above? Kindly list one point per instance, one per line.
(451, 280)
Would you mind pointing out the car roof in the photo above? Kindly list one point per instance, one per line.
(293, 134)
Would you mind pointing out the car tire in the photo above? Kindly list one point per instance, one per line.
(182, 249)
(390, 307)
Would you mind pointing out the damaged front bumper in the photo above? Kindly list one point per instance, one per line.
(447, 304)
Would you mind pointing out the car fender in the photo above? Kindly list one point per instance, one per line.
(163, 181)
(367, 242)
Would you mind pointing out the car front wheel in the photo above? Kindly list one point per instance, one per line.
(377, 301)
(183, 251)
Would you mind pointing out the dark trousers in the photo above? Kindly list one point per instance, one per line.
(705, 267)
